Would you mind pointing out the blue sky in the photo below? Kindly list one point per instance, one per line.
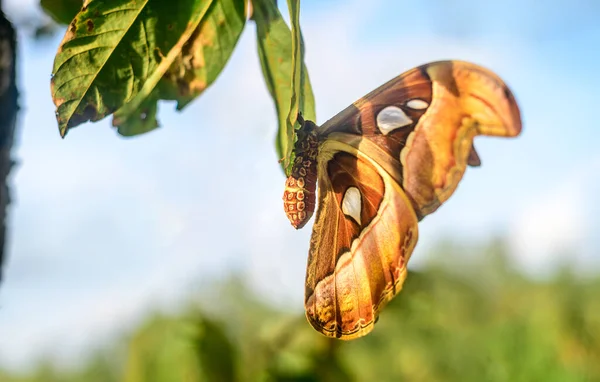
(104, 228)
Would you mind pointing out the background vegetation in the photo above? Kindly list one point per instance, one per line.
(467, 316)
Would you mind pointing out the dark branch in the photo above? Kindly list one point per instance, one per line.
(8, 116)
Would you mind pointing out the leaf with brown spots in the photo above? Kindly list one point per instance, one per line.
(201, 58)
(115, 53)
(206, 53)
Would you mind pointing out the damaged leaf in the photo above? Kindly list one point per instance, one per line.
(205, 54)
(110, 51)
(115, 53)
(195, 66)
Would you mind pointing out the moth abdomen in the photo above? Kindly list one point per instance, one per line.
(299, 194)
(299, 200)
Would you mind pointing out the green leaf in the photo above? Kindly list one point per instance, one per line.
(112, 51)
(198, 64)
(302, 95)
(191, 348)
(206, 53)
(216, 352)
(279, 62)
(115, 53)
(162, 350)
(62, 11)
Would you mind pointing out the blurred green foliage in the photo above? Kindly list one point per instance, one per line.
(466, 316)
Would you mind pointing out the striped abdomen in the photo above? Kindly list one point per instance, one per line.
(299, 194)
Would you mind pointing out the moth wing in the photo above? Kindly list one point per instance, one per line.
(426, 120)
(364, 233)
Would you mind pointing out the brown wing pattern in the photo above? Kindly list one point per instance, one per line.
(436, 111)
(383, 163)
(467, 101)
(412, 88)
(364, 234)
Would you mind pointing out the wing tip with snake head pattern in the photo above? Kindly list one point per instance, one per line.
(467, 100)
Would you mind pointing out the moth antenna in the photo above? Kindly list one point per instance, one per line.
(300, 119)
